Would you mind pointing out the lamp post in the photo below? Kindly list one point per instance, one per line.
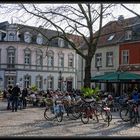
(60, 78)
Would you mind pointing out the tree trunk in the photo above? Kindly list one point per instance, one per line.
(87, 77)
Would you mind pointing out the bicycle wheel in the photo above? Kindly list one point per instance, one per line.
(125, 114)
(76, 111)
(106, 116)
(49, 113)
(98, 108)
(95, 117)
(134, 117)
(59, 114)
(84, 117)
(109, 118)
(71, 113)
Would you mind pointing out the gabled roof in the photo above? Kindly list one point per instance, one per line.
(116, 28)
(47, 34)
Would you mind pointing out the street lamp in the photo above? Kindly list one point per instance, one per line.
(60, 78)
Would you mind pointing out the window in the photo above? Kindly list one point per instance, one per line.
(27, 81)
(60, 83)
(27, 56)
(70, 60)
(60, 42)
(50, 58)
(109, 59)
(50, 82)
(39, 39)
(61, 60)
(11, 37)
(111, 37)
(11, 57)
(98, 60)
(27, 37)
(125, 57)
(39, 81)
(128, 35)
(39, 58)
(10, 81)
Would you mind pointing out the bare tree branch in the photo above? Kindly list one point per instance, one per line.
(130, 10)
(78, 19)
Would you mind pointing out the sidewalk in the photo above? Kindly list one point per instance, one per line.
(31, 122)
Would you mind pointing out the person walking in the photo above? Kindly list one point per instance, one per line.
(15, 95)
(24, 96)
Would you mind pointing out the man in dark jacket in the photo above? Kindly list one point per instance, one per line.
(15, 95)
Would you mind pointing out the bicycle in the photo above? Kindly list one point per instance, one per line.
(134, 114)
(54, 111)
(88, 112)
(124, 111)
(130, 112)
(106, 113)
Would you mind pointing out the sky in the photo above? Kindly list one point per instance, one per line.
(117, 11)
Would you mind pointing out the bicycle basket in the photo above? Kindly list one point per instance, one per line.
(49, 102)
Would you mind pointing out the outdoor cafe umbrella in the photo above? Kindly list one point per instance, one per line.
(117, 77)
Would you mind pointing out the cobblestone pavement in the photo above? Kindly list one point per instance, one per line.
(31, 122)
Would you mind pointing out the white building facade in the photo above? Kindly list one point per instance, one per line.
(26, 59)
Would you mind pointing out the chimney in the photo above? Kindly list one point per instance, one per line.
(120, 18)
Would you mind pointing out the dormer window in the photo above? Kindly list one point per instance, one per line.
(128, 35)
(39, 39)
(11, 37)
(111, 37)
(27, 37)
(60, 42)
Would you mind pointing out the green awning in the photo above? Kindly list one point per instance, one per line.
(116, 77)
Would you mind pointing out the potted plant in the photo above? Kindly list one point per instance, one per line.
(90, 93)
